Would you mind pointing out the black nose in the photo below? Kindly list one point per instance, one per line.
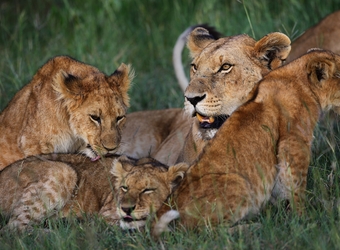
(195, 100)
(109, 148)
(128, 210)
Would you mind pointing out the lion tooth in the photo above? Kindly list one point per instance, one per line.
(199, 117)
(211, 119)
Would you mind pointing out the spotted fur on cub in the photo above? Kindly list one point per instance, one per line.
(120, 190)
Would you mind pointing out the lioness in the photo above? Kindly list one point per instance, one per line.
(224, 71)
(68, 106)
(119, 189)
(263, 149)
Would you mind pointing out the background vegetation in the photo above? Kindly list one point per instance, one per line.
(143, 33)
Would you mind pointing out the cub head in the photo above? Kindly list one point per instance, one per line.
(225, 71)
(323, 70)
(142, 187)
(95, 106)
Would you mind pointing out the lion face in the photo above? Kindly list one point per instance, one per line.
(97, 106)
(225, 71)
(143, 188)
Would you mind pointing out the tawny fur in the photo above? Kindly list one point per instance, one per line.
(223, 92)
(263, 149)
(67, 107)
(116, 188)
(145, 131)
(325, 34)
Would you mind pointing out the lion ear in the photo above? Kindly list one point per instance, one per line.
(119, 169)
(198, 39)
(176, 173)
(321, 67)
(272, 50)
(121, 166)
(121, 79)
(67, 85)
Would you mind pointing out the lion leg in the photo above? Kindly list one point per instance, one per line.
(291, 180)
(227, 200)
(38, 190)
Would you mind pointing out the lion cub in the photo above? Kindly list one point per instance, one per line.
(68, 107)
(117, 188)
(263, 149)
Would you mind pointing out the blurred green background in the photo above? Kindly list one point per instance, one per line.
(142, 33)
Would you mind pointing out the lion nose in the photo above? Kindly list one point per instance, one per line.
(128, 210)
(195, 100)
(109, 149)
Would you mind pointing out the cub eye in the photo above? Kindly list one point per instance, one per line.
(148, 190)
(225, 68)
(124, 188)
(193, 67)
(95, 118)
(120, 118)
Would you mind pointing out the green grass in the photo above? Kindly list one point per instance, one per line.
(143, 33)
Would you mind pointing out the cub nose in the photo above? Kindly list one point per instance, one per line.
(110, 149)
(195, 100)
(128, 210)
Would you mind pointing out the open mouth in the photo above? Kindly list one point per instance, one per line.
(208, 122)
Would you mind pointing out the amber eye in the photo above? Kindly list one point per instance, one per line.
(148, 190)
(225, 68)
(124, 188)
(95, 118)
(193, 67)
(120, 118)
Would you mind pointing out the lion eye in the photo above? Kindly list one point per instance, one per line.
(225, 68)
(120, 118)
(148, 190)
(193, 67)
(124, 188)
(95, 118)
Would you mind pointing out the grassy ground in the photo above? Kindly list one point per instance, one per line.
(143, 33)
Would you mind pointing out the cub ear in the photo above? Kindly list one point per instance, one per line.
(122, 79)
(323, 69)
(272, 50)
(320, 66)
(67, 85)
(176, 174)
(198, 39)
(120, 168)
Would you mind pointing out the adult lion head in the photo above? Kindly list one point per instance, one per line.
(224, 72)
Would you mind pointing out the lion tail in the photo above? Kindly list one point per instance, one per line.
(163, 222)
(177, 53)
